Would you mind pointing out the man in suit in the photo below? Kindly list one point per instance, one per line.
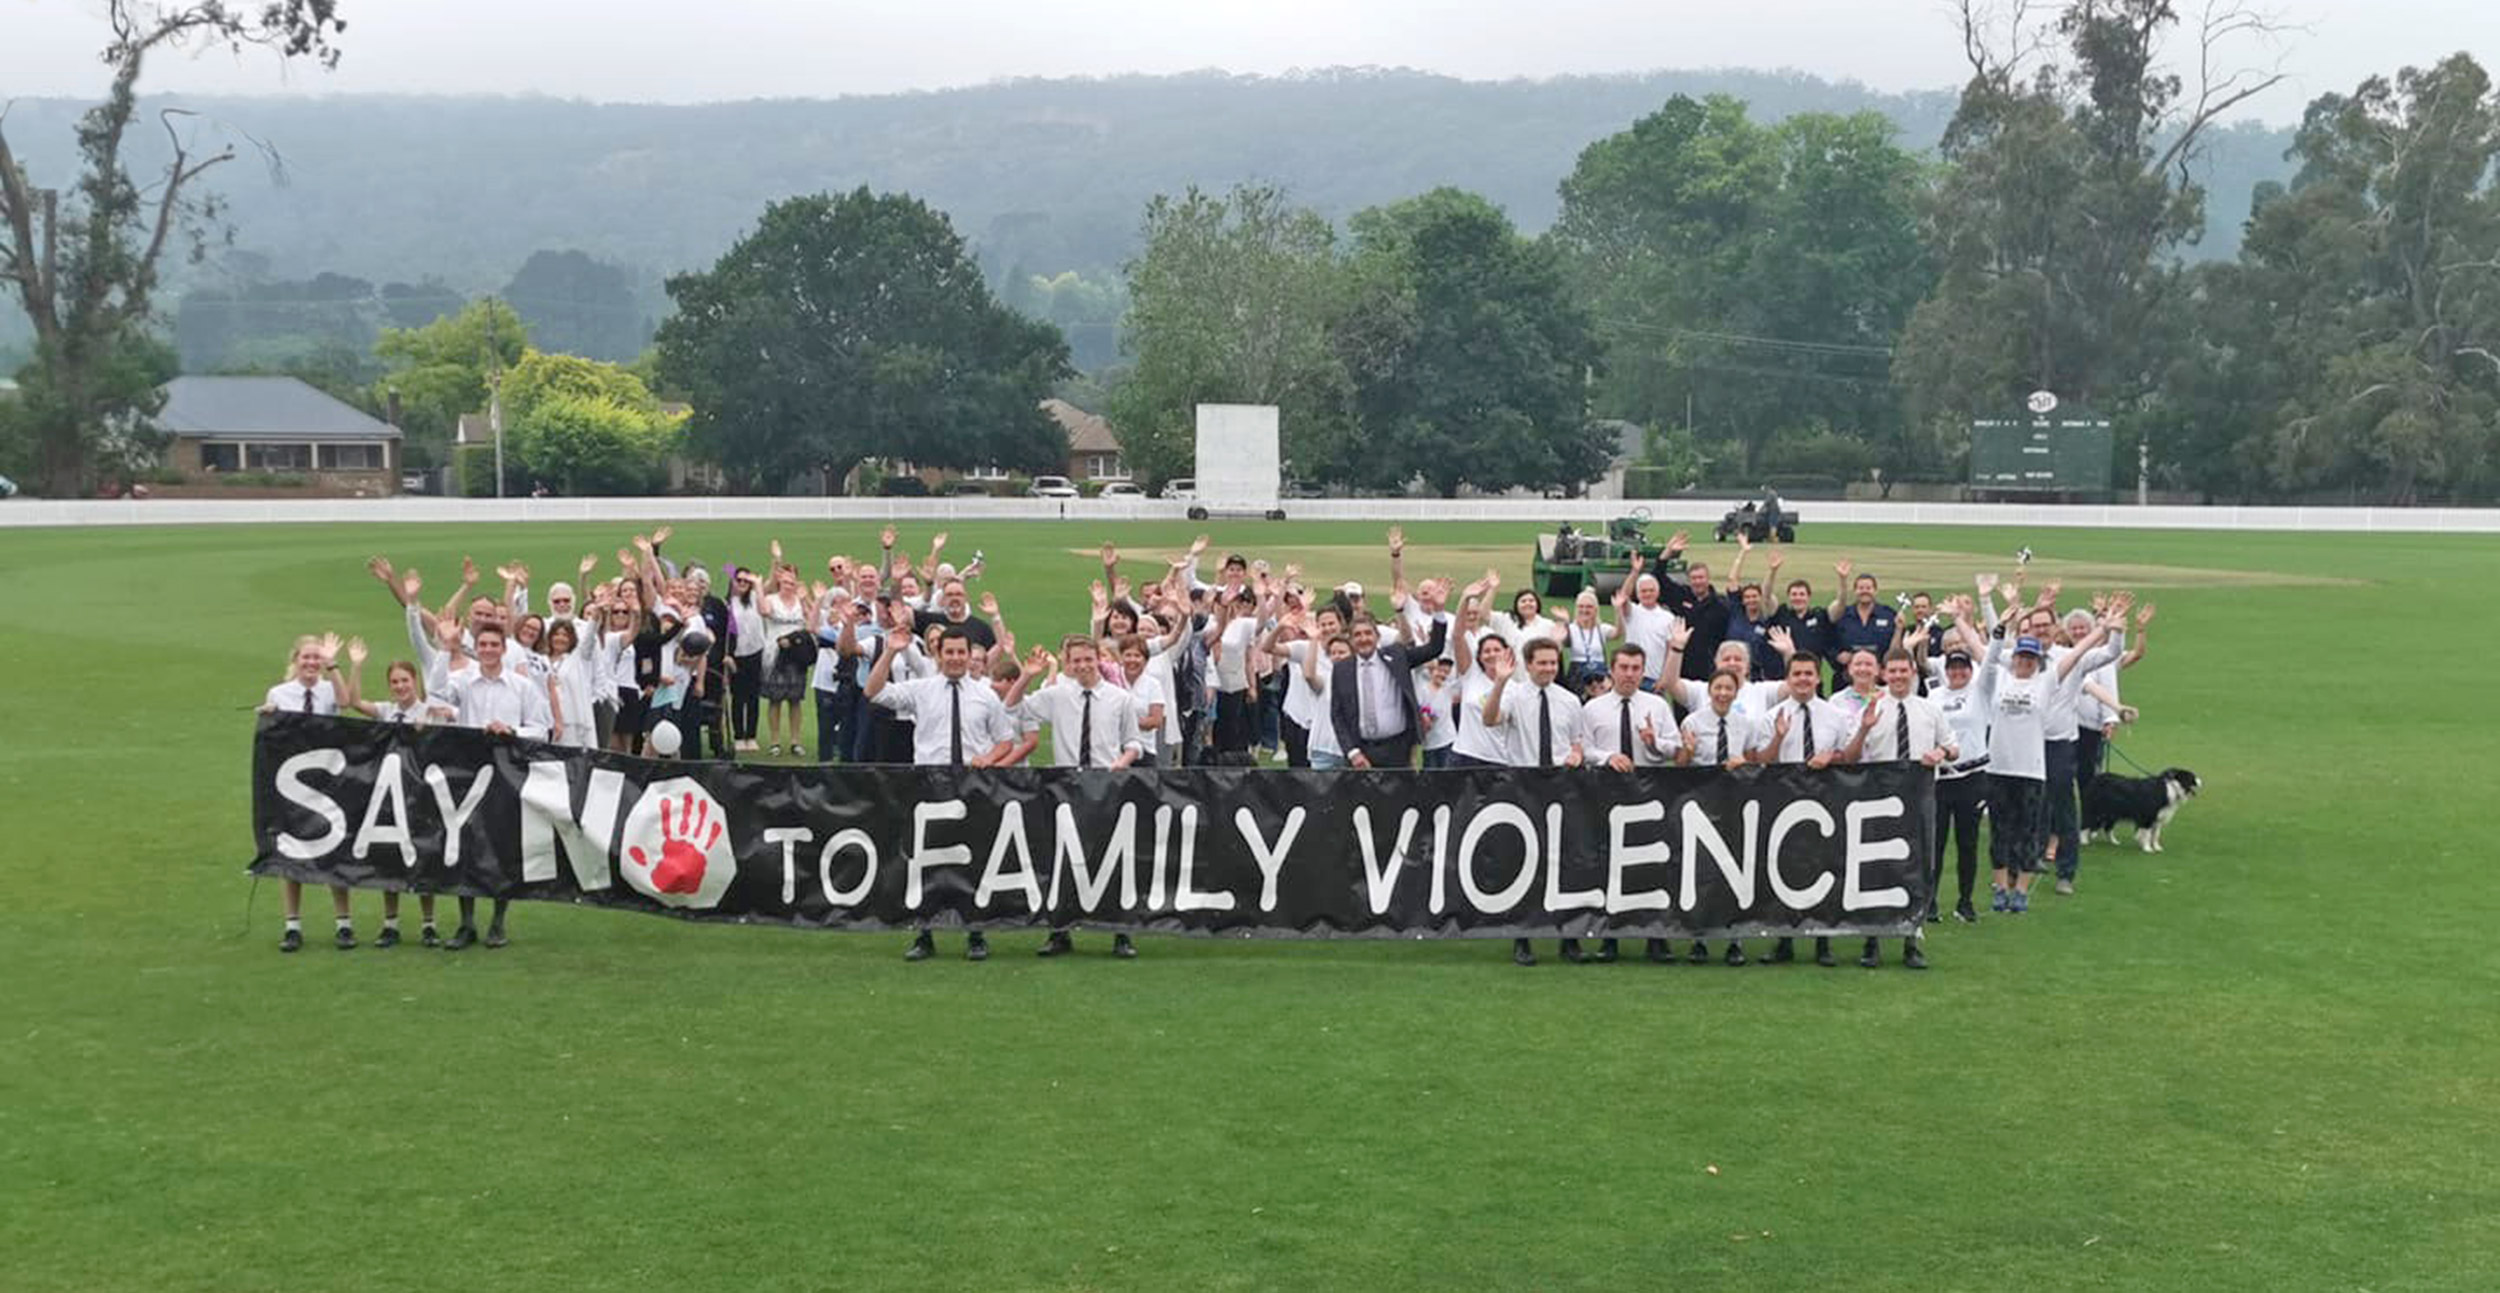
(1371, 696)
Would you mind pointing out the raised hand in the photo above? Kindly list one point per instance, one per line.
(1782, 641)
(1744, 543)
(590, 562)
(1778, 558)
(660, 536)
(1397, 540)
(1779, 728)
(1293, 571)
(776, 554)
(1842, 568)
(1866, 716)
(1199, 544)
(816, 590)
(356, 651)
(2144, 616)
(1035, 659)
(468, 569)
(1679, 635)
(1986, 583)
(410, 584)
(330, 650)
(1691, 742)
(937, 542)
(447, 632)
(886, 536)
(989, 605)
(1679, 541)
(380, 568)
(512, 573)
(1102, 597)
(1110, 553)
(1119, 588)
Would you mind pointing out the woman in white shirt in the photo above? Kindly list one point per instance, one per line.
(1318, 667)
(571, 689)
(1479, 744)
(746, 659)
(785, 672)
(1585, 641)
(305, 691)
(1154, 697)
(1525, 621)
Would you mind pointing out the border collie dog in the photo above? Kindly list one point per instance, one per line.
(2149, 802)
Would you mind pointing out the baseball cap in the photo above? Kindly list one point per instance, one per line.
(1351, 589)
(2027, 646)
(1962, 658)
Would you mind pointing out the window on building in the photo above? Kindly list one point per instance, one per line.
(1103, 466)
(990, 472)
(278, 457)
(351, 457)
(221, 457)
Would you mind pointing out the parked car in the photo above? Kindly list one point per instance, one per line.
(8, 487)
(1184, 487)
(1050, 487)
(1122, 489)
(903, 487)
(968, 489)
(1299, 489)
(413, 482)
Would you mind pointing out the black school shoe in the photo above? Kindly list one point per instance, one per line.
(1782, 952)
(1607, 952)
(1735, 952)
(1873, 956)
(428, 938)
(1570, 951)
(1521, 953)
(495, 936)
(922, 947)
(1911, 957)
(1823, 953)
(389, 937)
(345, 939)
(1660, 953)
(976, 948)
(291, 941)
(1058, 944)
(1122, 948)
(465, 936)
(1700, 955)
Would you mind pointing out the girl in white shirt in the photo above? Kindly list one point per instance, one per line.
(1154, 698)
(407, 707)
(1437, 693)
(1319, 668)
(305, 691)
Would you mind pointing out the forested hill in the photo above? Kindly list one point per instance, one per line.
(1042, 175)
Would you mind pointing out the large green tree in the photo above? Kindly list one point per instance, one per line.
(1231, 302)
(442, 370)
(84, 259)
(578, 305)
(1468, 353)
(2067, 196)
(2355, 346)
(1750, 277)
(852, 327)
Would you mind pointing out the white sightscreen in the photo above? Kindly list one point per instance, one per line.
(1237, 455)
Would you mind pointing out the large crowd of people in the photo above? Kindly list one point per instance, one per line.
(2010, 694)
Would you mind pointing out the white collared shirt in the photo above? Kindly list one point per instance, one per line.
(1831, 729)
(1928, 729)
(1649, 627)
(927, 704)
(1062, 704)
(292, 697)
(1601, 727)
(1717, 737)
(1753, 699)
(512, 699)
(1524, 706)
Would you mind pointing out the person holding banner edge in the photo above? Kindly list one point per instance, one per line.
(1804, 728)
(948, 712)
(1093, 727)
(1542, 718)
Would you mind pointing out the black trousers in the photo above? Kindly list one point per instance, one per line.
(1957, 816)
(1236, 721)
(1297, 742)
(2018, 821)
(746, 682)
(2091, 751)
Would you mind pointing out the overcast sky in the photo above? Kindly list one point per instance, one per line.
(673, 51)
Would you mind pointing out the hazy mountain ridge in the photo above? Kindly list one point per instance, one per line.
(1039, 174)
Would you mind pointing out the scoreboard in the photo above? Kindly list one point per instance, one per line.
(2048, 453)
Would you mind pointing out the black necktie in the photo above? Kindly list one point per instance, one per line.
(1722, 738)
(308, 700)
(1085, 734)
(955, 721)
(1623, 723)
(1806, 717)
(1544, 728)
(1901, 740)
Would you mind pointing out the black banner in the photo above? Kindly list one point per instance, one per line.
(1476, 853)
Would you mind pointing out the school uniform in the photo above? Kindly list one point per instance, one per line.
(1962, 784)
(1906, 729)
(292, 697)
(1717, 737)
(953, 720)
(1089, 727)
(1541, 724)
(1611, 723)
(1815, 727)
(508, 698)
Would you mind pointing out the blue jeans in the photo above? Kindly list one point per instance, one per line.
(2064, 824)
(831, 721)
(1437, 758)
(1323, 761)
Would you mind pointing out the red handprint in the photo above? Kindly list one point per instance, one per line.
(680, 868)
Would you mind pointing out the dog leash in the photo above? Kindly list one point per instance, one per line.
(2122, 754)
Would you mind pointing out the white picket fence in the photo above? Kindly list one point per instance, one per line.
(1694, 512)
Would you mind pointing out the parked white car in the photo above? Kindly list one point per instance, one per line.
(1183, 487)
(1050, 487)
(1121, 489)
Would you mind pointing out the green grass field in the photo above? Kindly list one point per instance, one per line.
(2263, 1060)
